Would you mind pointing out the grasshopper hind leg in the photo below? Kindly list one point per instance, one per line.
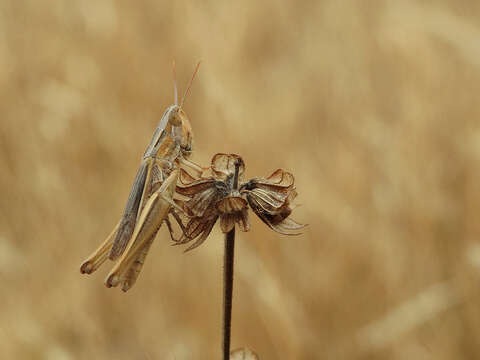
(98, 257)
(136, 267)
(134, 270)
(153, 214)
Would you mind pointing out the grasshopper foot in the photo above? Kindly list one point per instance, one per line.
(86, 267)
(112, 280)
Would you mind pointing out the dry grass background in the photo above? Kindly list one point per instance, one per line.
(373, 105)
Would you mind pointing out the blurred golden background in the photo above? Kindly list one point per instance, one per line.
(374, 106)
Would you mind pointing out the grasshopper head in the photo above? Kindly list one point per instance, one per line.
(181, 128)
(178, 120)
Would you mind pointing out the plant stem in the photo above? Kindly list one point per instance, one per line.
(227, 291)
(228, 279)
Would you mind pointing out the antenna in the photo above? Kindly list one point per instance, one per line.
(175, 91)
(190, 83)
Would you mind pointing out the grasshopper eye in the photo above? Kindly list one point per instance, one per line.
(175, 117)
(181, 115)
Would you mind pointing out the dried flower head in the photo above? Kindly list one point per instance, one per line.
(223, 194)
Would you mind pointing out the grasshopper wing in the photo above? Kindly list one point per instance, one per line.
(129, 218)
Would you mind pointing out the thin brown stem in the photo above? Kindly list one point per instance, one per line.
(227, 291)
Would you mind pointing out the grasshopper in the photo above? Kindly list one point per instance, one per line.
(151, 197)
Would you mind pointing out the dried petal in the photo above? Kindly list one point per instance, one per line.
(290, 224)
(223, 166)
(243, 221)
(276, 221)
(227, 222)
(194, 228)
(203, 237)
(280, 180)
(231, 204)
(277, 228)
(195, 187)
(270, 201)
(202, 201)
